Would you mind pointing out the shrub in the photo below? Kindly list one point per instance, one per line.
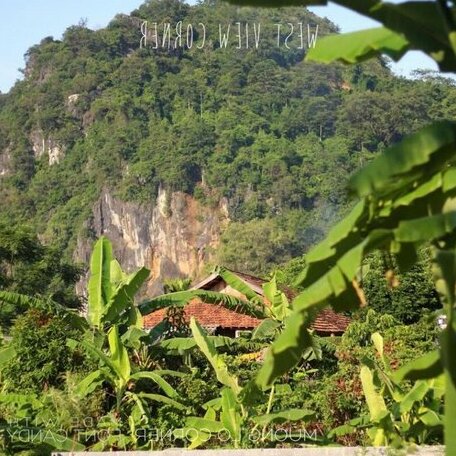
(42, 356)
(335, 393)
(406, 296)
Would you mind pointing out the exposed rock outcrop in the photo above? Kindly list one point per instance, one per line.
(72, 99)
(46, 146)
(174, 237)
(5, 162)
(72, 104)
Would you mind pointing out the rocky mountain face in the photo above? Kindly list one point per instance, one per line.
(175, 151)
(175, 237)
(5, 162)
(46, 146)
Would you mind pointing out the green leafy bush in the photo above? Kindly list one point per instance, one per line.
(406, 296)
(31, 268)
(335, 391)
(42, 356)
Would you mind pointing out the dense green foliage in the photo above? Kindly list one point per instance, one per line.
(28, 267)
(97, 390)
(276, 135)
(42, 357)
(406, 296)
(334, 390)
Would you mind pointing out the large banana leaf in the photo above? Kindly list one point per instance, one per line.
(181, 298)
(201, 428)
(427, 366)
(445, 279)
(69, 316)
(230, 415)
(123, 297)
(158, 379)
(183, 344)
(421, 22)
(208, 349)
(375, 403)
(162, 399)
(210, 425)
(287, 350)
(279, 307)
(416, 394)
(99, 287)
(117, 275)
(90, 383)
(267, 328)
(344, 236)
(348, 428)
(237, 283)
(359, 46)
(417, 156)
(119, 355)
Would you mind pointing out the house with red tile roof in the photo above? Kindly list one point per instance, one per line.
(219, 320)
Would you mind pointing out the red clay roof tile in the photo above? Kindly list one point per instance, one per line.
(213, 315)
(207, 315)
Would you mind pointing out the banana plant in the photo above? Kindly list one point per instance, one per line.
(112, 309)
(396, 415)
(277, 309)
(234, 410)
(116, 370)
(111, 292)
(132, 408)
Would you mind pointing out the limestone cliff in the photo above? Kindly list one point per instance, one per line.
(46, 146)
(174, 237)
(5, 162)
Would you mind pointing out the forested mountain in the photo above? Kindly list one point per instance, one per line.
(273, 137)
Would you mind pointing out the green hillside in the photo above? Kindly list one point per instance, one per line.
(278, 137)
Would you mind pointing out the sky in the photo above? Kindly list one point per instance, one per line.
(24, 23)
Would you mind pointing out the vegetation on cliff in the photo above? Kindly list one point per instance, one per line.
(276, 135)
